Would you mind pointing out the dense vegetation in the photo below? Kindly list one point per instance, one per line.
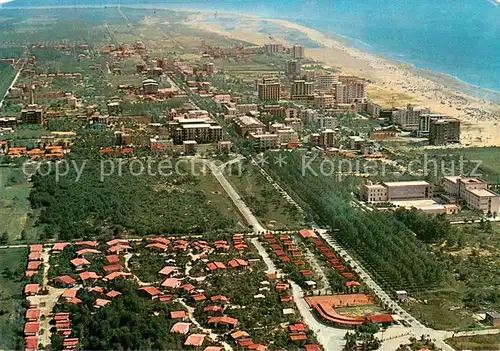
(130, 322)
(386, 245)
(142, 204)
(6, 75)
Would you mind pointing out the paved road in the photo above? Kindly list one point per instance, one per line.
(16, 77)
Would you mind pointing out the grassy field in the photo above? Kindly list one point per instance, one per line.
(14, 204)
(477, 342)
(7, 73)
(12, 264)
(267, 204)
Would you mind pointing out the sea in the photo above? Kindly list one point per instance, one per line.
(459, 38)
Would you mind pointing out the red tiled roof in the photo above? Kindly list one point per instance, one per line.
(30, 273)
(33, 313)
(195, 340)
(180, 328)
(87, 251)
(101, 302)
(79, 261)
(88, 275)
(167, 270)
(381, 318)
(65, 279)
(151, 290)
(114, 275)
(113, 293)
(116, 242)
(171, 283)
(33, 265)
(87, 243)
(161, 240)
(221, 298)
(352, 283)
(158, 246)
(69, 293)
(98, 289)
(307, 233)
(31, 327)
(36, 248)
(224, 320)
(113, 259)
(298, 327)
(298, 337)
(31, 343)
(212, 348)
(239, 334)
(178, 314)
(35, 256)
(113, 268)
(61, 316)
(245, 342)
(31, 288)
(311, 347)
(70, 342)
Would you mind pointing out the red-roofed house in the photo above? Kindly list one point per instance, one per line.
(239, 334)
(116, 242)
(35, 256)
(119, 249)
(195, 340)
(157, 246)
(180, 328)
(213, 309)
(31, 329)
(34, 265)
(311, 347)
(212, 348)
(113, 259)
(114, 275)
(307, 233)
(101, 303)
(113, 293)
(151, 291)
(79, 263)
(36, 248)
(88, 276)
(69, 293)
(32, 314)
(70, 343)
(113, 268)
(31, 289)
(87, 251)
(178, 315)
(65, 281)
(225, 321)
(171, 283)
(168, 270)
(160, 240)
(58, 247)
(381, 319)
(87, 243)
(298, 337)
(31, 343)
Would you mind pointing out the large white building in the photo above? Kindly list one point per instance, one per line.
(474, 192)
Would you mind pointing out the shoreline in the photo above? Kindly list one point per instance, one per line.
(391, 82)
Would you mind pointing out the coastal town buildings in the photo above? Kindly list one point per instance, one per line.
(246, 124)
(269, 89)
(474, 192)
(302, 89)
(408, 118)
(273, 48)
(389, 191)
(443, 131)
(33, 114)
(298, 52)
(349, 90)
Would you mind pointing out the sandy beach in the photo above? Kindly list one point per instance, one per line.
(391, 82)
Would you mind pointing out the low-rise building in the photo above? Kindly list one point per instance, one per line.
(246, 124)
(264, 141)
(390, 191)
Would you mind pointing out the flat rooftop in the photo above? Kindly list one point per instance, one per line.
(483, 192)
(406, 183)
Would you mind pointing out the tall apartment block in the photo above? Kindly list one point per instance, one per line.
(349, 90)
(269, 89)
(302, 89)
(32, 115)
(293, 67)
(408, 118)
(327, 82)
(444, 131)
(298, 52)
(273, 48)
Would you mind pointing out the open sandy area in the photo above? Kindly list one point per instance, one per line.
(391, 83)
